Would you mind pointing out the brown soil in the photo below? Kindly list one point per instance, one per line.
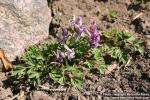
(135, 77)
(98, 9)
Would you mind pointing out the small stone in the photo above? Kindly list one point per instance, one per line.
(89, 82)
(99, 97)
(99, 88)
(87, 93)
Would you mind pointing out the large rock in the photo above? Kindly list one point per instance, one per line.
(22, 23)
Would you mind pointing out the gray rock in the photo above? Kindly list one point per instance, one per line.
(22, 23)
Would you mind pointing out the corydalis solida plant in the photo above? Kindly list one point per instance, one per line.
(78, 47)
(92, 35)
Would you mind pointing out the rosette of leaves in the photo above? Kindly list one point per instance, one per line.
(36, 63)
(121, 45)
(67, 74)
(111, 16)
(96, 61)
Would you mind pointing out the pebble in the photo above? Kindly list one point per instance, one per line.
(99, 97)
(87, 93)
(99, 88)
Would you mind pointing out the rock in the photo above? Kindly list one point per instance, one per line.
(99, 88)
(40, 95)
(22, 23)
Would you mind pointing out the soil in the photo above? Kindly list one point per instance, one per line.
(132, 78)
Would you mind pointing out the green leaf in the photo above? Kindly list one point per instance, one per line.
(141, 50)
(131, 39)
(29, 71)
(18, 70)
(107, 34)
(89, 63)
(69, 40)
(76, 82)
(30, 63)
(34, 74)
(96, 52)
(55, 74)
(40, 57)
(138, 42)
(61, 81)
(102, 68)
(112, 14)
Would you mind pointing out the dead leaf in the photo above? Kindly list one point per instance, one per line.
(6, 63)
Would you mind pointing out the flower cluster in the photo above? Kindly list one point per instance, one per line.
(69, 53)
(93, 34)
(80, 30)
(78, 25)
(62, 39)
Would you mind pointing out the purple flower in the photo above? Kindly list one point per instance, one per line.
(81, 31)
(94, 36)
(70, 53)
(77, 23)
(60, 55)
(79, 34)
(62, 39)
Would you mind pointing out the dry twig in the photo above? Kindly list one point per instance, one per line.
(137, 16)
(55, 90)
(128, 62)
